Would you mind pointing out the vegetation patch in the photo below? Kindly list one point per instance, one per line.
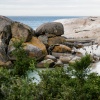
(71, 83)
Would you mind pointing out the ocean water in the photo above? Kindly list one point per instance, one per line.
(35, 21)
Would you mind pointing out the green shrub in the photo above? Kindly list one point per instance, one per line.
(23, 62)
(81, 68)
(56, 84)
(15, 88)
(71, 83)
(52, 83)
(4, 79)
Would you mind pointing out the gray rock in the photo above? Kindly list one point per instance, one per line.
(60, 54)
(3, 55)
(43, 39)
(65, 59)
(54, 28)
(21, 31)
(95, 58)
(79, 54)
(56, 40)
(9, 52)
(61, 49)
(50, 57)
(74, 59)
(5, 34)
(59, 63)
(6, 64)
(50, 35)
(46, 63)
(34, 51)
(3, 22)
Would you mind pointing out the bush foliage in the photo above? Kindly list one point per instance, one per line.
(23, 62)
(72, 83)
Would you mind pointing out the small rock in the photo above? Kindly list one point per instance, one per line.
(74, 59)
(57, 55)
(56, 40)
(6, 64)
(65, 59)
(59, 63)
(95, 58)
(61, 49)
(79, 54)
(46, 63)
(50, 57)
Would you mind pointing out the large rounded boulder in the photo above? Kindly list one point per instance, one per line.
(33, 51)
(50, 29)
(36, 42)
(21, 31)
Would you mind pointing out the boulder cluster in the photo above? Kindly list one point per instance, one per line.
(46, 43)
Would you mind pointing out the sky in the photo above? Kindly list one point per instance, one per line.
(50, 7)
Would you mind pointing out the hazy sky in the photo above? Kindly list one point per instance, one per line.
(50, 7)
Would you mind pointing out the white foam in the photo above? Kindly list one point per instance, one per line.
(93, 50)
(64, 21)
(96, 68)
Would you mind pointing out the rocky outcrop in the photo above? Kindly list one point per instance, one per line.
(88, 27)
(50, 29)
(47, 44)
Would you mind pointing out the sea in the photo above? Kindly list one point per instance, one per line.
(35, 21)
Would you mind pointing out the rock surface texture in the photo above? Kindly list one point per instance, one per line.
(52, 28)
(21, 31)
(5, 35)
(88, 27)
